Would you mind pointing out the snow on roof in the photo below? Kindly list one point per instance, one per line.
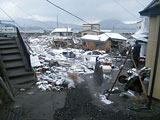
(115, 36)
(101, 37)
(106, 31)
(90, 37)
(62, 30)
(142, 34)
(104, 37)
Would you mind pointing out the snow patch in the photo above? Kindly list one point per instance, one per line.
(104, 100)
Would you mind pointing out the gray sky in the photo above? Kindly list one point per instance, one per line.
(90, 10)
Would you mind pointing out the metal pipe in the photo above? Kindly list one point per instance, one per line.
(155, 68)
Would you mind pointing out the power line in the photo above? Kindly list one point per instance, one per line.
(29, 14)
(140, 3)
(11, 19)
(126, 10)
(7, 14)
(18, 26)
(67, 11)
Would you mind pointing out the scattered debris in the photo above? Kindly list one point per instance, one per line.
(127, 94)
(104, 100)
(115, 90)
(106, 69)
(22, 89)
(57, 69)
(132, 80)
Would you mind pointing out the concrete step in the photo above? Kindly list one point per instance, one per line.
(9, 64)
(6, 39)
(10, 51)
(11, 57)
(12, 66)
(8, 46)
(13, 72)
(7, 42)
(23, 79)
(19, 73)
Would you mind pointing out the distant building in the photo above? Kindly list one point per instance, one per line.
(7, 28)
(90, 29)
(105, 41)
(93, 42)
(62, 32)
(138, 26)
(62, 37)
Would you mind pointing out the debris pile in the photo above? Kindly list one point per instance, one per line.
(56, 69)
(59, 69)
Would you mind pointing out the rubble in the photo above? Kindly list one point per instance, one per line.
(106, 69)
(58, 69)
(104, 100)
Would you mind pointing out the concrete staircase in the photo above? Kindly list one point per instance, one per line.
(14, 63)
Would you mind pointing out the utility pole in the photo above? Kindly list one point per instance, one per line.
(57, 21)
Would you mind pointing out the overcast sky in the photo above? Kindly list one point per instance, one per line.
(89, 10)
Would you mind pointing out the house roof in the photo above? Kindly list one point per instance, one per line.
(105, 31)
(116, 36)
(62, 30)
(93, 30)
(152, 9)
(142, 34)
(103, 37)
(95, 37)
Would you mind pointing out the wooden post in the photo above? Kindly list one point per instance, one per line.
(143, 88)
(121, 68)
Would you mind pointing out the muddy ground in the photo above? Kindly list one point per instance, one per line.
(82, 103)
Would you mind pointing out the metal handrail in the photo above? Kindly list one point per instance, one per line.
(24, 51)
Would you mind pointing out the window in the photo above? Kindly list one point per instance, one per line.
(85, 43)
(98, 45)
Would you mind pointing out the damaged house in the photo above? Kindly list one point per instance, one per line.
(105, 41)
(62, 37)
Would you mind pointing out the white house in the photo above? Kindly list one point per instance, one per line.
(62, 32)
(7, 30)
(142, 35)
